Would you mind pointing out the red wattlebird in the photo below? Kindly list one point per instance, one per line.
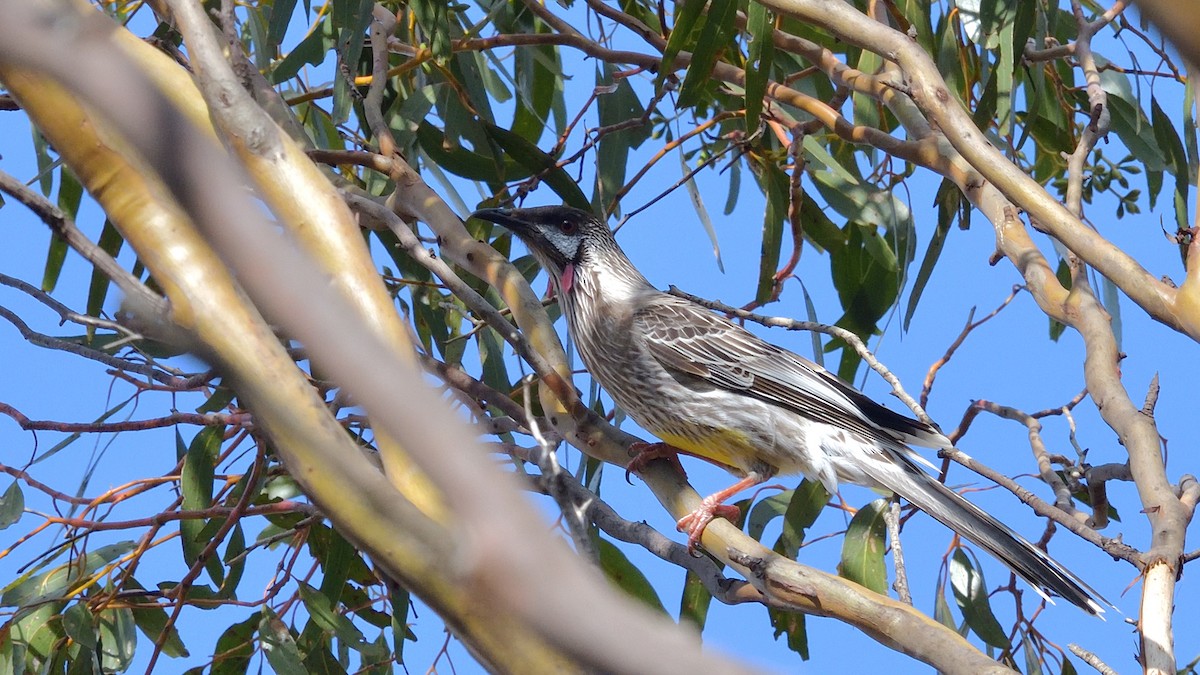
(709, 388)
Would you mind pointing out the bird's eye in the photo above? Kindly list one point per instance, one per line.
(568, 227)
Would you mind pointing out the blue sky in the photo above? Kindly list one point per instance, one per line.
(1009, 360)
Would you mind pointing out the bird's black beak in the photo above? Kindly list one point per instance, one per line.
(510, 218)
(525, 225)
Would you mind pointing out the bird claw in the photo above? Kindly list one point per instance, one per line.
(695, 522)
(648, 452)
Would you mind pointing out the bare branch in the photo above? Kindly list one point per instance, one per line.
(1113, 547)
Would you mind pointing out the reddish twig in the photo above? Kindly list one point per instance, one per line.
(971, 325)
(237, 419)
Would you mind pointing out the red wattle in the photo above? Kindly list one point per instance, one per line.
(568, 278)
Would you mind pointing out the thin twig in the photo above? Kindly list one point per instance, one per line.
(64, 227)
(1091, 659)
(1113, 547)
(50, 342)
(971, 325)
(574, 511)
(237, 419)
(892, 518)
(470, 297)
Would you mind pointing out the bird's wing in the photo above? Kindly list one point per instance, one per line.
(687, 338)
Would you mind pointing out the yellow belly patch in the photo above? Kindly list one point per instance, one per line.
(723, 446)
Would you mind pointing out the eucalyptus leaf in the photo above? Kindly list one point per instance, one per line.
(864, 546)
(970, 592)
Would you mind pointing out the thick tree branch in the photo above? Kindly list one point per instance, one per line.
(1159, 300)
(499, 576)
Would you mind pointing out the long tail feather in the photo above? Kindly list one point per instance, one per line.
(906, 479)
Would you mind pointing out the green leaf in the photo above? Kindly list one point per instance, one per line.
(532, 158)
(105, 341)
(626, 576)
(1193, 151)
(491, 354)
(985, 109)
(336, 560)
(765, 511)
(539, 80)
(56, 255)
(254, 35)
(1035, 95)
(735, 187)
(714, 37)
(196, 484)
(75, 436)
(319, 660)
(851, 197)
(32, 588)
(792, 625)
(12, 505)
(39, 630)
(701, 212)
(434, 18)
(1167, 138)
(221, 397)
(687, 16)
(1005, 14)
(1033, 662)
(1063, 273)
(323, 610)
(235, 647)
(45, 163)
(12, 656)
(819, 230)
(616, 103)
(110, 242)
(399, 600)
(866, 288)
(810, 311)
(152, 621)
(806, 504)
(80, 625)
(312, 51)
(336, 556)
(867, 108)
(761, 56)
(118, 639)
(351, 17)
(489, 68)
(948, 200)
(1111, 297)
(777, 189)
(949, 64)
(1154, 183)
(466, 163)
(694, 602)
(1130, 123)
(233, 558)
(970, 592)
(863, 548)
(281, 16)
(279, 645)
(941, 609)
(1084, 496)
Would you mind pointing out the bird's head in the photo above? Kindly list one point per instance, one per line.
(562, 238)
